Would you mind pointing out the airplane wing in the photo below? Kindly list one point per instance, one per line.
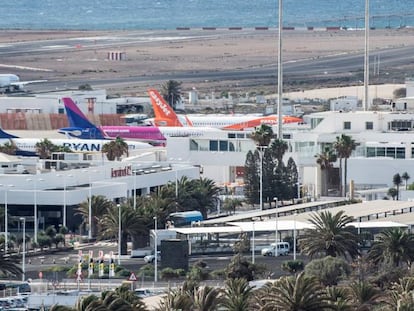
(23, 83)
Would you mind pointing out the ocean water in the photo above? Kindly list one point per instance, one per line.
(170, 14)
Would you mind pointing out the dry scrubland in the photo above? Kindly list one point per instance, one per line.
(231, 50)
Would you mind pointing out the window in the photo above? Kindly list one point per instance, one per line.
(213, 145)
(369, 125)
(347, 125)
(224, 145)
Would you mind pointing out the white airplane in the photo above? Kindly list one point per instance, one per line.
(27, 146)
(11, 82)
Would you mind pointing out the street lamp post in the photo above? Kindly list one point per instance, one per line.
(6, 220)
(24, 249)
(90, 209)
(276, 227)
(35, 180)
(155, 250)
(119, 234)
(294, 235)
(261, 148)
(253, 246)
(135, 189)
(64, 197)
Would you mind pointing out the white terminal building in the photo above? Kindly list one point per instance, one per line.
(28, 184)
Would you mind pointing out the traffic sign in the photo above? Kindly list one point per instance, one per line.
(132, 277)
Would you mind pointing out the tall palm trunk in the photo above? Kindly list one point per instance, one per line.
(345, 176)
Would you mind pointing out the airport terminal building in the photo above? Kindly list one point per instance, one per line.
(54, 188)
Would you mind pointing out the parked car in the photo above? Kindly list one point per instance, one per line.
(282, 249)
(151, 258)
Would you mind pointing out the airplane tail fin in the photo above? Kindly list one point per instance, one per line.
(4, 135)
(79, 125)
(164, 114)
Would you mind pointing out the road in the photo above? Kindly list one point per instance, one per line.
(44, 263)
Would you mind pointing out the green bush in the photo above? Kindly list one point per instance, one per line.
(169, 273)
(292, 266)
(329, 270)
(146, 271)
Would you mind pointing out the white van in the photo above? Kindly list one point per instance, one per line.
(282, 249)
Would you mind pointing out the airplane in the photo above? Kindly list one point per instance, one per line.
(27, 146)
(81, 127)
(166, 116)
(11, 82)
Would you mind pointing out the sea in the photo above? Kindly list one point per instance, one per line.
(172, 14)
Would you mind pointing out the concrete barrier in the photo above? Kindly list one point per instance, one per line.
(261, 28)
(183, 28)
(235, 28)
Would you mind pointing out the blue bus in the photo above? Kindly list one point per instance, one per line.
(182, 219)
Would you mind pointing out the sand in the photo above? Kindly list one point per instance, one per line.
(226, 50)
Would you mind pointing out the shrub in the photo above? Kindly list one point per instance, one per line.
(329, 270)
(292, 266)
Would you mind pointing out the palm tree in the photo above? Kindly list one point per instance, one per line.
(115, 149)
(176, 299)
(363, 296)
(325, 161)
(9, 266)
(9, 148)
(206, 298)
(296, 294)
(279, 148)
(230, 204)
(262, 135)
(132, 224)
(338, 299)
(205, 195)
(331, 235)
(392, 192)
(44, 148)
(237, 294)
(401, 297)
(99, 206)
(393, 246)
(344, 145)
(405, 177)
(397, 181)
(171, 91)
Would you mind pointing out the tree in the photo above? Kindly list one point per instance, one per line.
(328, 270)
(237, 294)
(230, 204)
(171, 91)
(344, 145)
(295, 294)
(9, 266)
(331, 235)
(132, 225)
(251, 178)
(205, 195)
(240, 268)
(206, 298)
(279, 148)
(115, 149)
(392, 192)
(99, 206)
(397, 181)
(325, 161)
(262, 135)
(405, 177)
(44, 148)
(363, 296)
(401, 297)
(393, 246)
(9, 148)
(399, 93)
